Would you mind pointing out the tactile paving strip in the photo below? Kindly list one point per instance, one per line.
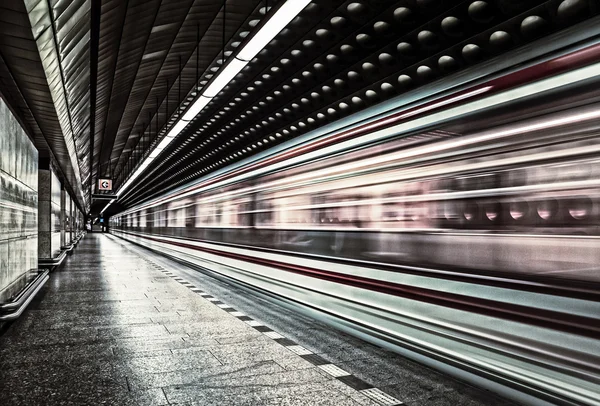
(224, 306)
(273, 334)
(352, 381)
(380, 397)
(298, 349)
(334, 370)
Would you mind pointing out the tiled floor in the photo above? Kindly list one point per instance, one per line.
(111, 328)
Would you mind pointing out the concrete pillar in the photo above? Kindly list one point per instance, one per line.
(18, 205)
(49, 225)
(71, 222)
(66, 224)
(63, 217)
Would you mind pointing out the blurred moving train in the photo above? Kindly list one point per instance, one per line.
(463, 231)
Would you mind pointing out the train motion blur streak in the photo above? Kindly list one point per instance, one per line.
(471, 244)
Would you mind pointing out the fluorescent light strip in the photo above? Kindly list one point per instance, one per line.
(164, 143)
(106, 207)
(154, 154)
(196, 108)
(176, 130)
(225, 76)
(282, 17)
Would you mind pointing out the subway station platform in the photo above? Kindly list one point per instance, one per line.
(121, 325)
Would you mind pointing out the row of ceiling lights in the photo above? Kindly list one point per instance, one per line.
(281, 18)
(477, 10)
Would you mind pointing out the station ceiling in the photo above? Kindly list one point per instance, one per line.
(98, 83)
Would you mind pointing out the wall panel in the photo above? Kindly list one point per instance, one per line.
(18, 205)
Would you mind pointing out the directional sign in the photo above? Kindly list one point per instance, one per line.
(105, 184)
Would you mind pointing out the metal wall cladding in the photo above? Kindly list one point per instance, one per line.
(18, 208)
(18, 205)
(61, 31)
(49, 214)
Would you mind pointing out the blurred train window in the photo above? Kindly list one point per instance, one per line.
(176, 215)
(466, 183)
(415, 211)
(234, 212)
(418, 212)
(451, 210)
(516, 177)
(209, 214)
(347, 214)
(574, 171)
(161, 216)
(482, 181)
(446, 185)
(392, 211)
(143, 218)
(203, 213)
(489, 181)
(292, 210)
(243, 214)
(393, 208)
(264, 215)
(228, 217)
(320, 215)
(544, 174)
(217, 214)
(338, 209)
(150, 217)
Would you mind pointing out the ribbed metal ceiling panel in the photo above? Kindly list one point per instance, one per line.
(61, 30)
(26, 87)
(112, 21)
(153, 71)
(155, 67)
(137, 25)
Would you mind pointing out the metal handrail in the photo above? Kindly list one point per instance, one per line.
(21, 302)
(53, 261)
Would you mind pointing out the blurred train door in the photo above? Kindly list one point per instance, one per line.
(347, 241)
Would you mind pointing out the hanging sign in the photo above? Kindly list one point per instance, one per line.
(105, 184)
